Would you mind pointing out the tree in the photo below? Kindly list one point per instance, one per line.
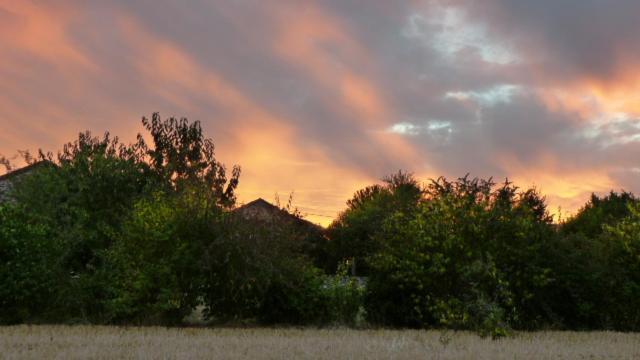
(597, 267)
(82, 197)
(156, 260)
(29, 267)
(182, 157)
(90, 191)
(468, 257)
(352, 234)
(255, 271)
(5, 163)
(624, 298)
(598, 212)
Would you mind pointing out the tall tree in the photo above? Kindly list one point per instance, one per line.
(182, 157)
(599, 211)
(352, 233)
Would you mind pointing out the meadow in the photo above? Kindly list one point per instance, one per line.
(107, 342)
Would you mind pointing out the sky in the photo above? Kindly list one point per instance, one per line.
(321, 98)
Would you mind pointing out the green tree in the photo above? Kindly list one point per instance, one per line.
(256, 271)
(29, 267)
(469, 257)
(182, 157)
(352, 234)
(156, 269)
(598, 270)
(90, 190)
(598, 212)
(625, 300)
(82, 196)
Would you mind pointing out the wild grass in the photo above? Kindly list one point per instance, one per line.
(106, 342)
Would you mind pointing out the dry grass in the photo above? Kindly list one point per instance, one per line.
(94, 342)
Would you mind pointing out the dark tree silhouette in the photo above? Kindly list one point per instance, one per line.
(182, 156)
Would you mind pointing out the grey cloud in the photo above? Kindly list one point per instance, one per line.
(567, 39)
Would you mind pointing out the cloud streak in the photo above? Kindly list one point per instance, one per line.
(321, 98)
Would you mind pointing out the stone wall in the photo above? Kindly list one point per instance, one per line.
(5, 186)
(6, 180)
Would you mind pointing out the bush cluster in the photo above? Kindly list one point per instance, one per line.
(144, 233)
(473, 254)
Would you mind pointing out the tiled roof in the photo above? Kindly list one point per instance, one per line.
(22, 170)
(263, 210)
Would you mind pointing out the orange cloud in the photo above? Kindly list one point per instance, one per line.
(265, 144)
(566, 193)
(565, 188)
(53, 86)
(319, 44)
(595, 98)
(41, 31)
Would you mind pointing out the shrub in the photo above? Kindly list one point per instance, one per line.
(88, 194)
(294, 297)
(82, 197)
(345, 298)
(156, 259)
(596, 266)
(30, 272)
(257, 272)
(353, 233)
(599, 212)
(470, 257)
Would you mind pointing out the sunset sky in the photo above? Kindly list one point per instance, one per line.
(321, 98)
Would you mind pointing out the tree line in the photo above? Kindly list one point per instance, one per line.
(143, 233)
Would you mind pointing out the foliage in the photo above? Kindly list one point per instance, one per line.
(83, 196)
(598, 276)
(624, 302)
(352, 234)
(182, 157)
(143, 233)
(313, 240)
(29, 266)
(469, 257)
(256, 271)
(89, 189)
(156, 273)
(598, 212)
(345, 298)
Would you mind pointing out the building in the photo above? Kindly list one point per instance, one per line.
(7, 180)
(263, 211)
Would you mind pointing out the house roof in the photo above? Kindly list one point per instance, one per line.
(263, 210)
(258, 202)
(23, 170)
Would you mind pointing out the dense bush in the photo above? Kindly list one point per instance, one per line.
(144, 233)
(597, 267)
(82, 196)
(469, 257)
(86, 195)
(155, 262)
(345, 298)
(256, 272)
(599, 212)
(352, 234)
(624, 302)
(29, 267)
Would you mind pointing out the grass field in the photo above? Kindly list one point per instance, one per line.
(86, 342)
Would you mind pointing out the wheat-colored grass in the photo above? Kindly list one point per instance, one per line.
(102, 342)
